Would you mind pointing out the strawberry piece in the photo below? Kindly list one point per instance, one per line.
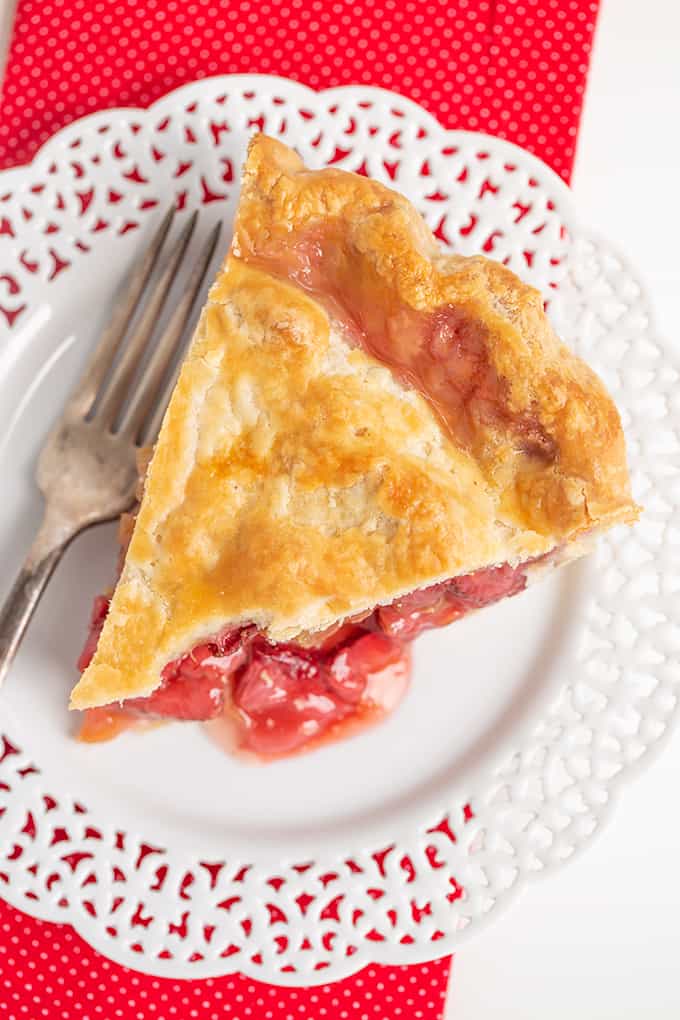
(277, 675)
(422, 610)
(487, 586)
(441, 604)
(352, 665)
(284, 699)
(195, 686)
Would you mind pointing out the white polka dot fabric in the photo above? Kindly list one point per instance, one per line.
(509, 68)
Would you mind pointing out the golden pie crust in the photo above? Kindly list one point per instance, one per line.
(297, 480)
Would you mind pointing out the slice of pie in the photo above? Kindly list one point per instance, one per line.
(368, 438)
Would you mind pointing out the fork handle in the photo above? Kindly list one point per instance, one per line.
(26, 591)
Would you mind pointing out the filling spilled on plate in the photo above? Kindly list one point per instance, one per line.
(275, 699)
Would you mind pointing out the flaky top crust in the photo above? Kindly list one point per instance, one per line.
(297, 480)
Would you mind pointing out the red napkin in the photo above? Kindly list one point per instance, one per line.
(46, 970)
(514, 69)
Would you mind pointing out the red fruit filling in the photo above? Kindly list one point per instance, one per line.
(100, 609)
(283, 696)
(442, 603)
(444, 354)
(288, 695)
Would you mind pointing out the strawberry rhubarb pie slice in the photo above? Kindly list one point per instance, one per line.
(368, 438)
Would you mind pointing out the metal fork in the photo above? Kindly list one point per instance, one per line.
(87, 469)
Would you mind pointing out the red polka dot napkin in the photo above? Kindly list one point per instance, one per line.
(509, 68)
(46, 970)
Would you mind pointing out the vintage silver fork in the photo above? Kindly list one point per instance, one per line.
(87, 469)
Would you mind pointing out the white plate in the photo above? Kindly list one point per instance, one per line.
(475, 726)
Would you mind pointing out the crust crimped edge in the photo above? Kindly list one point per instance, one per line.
(297, 482)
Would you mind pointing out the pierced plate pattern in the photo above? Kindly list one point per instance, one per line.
(167, 912)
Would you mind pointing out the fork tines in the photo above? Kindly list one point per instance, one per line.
(108, 394)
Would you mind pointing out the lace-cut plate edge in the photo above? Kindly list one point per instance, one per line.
(600, 306)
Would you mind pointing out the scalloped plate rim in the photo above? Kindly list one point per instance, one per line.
(411, 953)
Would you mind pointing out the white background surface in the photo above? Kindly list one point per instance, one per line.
(600, 940)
